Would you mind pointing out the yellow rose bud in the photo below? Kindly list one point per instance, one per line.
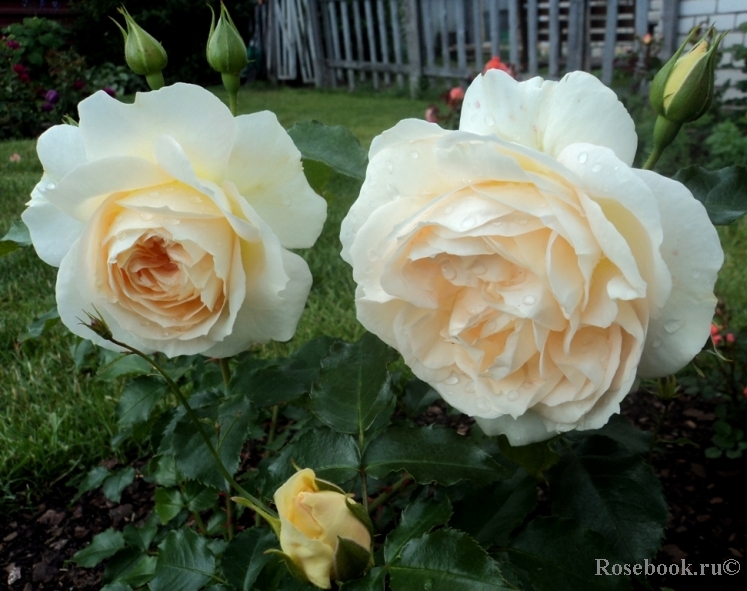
(143, 53)
(682, 91)
(320, 533)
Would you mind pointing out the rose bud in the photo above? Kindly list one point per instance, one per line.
(431, 114)
(730, 338)
(143, 54)
(46, 106)
(682, 91)
(226, 52)
(323, 534)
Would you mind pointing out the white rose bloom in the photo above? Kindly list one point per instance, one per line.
(172, 218)
(521, 266)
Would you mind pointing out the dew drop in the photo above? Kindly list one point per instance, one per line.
(513, 395)
(154, 194)
(193, 198)
(371, 254)
(529, 300)
(448, 272)
(673, 325)
(596, 167)
(428, 585)
(165, 333)
(146, 216)
(695, 274)
(479, 268)
(451, 380)
(449, 209)
(656, 343)
(471, 387)
(286, 201)
(367, 270)
(483, 405)
(523, 221)
(415, 154)
(477, 104)
(489, 121)
(51, 186)
(491, 326)
(144, 323)
(171, 222)
(389, 165)
(468, 223)
(582, 157)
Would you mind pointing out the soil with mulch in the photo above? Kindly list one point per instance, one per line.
(707, 503)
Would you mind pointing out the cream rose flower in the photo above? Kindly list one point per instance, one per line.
(312, 521)
(172, 218)
(521, 266)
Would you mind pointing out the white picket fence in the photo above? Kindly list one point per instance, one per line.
(333, 42)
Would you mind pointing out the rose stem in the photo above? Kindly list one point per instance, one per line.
(183, 401)
(225, 372)
(273, 424)
(229, 515)
(384, 497)
(653, 158)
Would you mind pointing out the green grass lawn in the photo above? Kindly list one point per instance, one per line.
(54, 419)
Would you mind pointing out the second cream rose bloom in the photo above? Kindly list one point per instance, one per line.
(311, 523)
(521, 266)
(173, 219)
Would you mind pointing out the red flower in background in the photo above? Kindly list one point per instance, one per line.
(431, 114)
(13, 44)
(495, 63)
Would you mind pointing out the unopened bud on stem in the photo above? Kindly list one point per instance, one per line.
(226, 53)
(143, 54)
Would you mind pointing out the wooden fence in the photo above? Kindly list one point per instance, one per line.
(336, 42)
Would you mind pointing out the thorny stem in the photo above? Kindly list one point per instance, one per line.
(229, 515)
(195, 419)
(384, 497)
(200, 523)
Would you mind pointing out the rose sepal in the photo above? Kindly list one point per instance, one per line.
(351, 560)
(656, 93)
(360, 513)
(293, 569)
(226, 50)
(143, 53)
(269, 516)
(327, 485)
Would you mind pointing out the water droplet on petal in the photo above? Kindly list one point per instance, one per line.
(451, 380)
(483, 405)
(479, 268)
(449, 209)
(51, 186)
(415, 154)
(155, 194)
(656, 343)
(523, 221)
(673, 325)
(695, 274)
(368, 269)
(146, 216)
(477, 104)
(372, 254)
(468, 223)
(286, 201)
(582, 157)
(193, 198)
(513, 395)
(529, 300)
(491, 326)
(471, 387)
(389, 165)
(596, 167)
(449, 272)
(489, 121)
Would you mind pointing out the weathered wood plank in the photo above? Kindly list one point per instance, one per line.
(383, 37)
(397, 39)
(429, 36)
(413, 45)
(610, 41)
(477, 23)
(576, 28)
(669, 13)
(532, 36)
(461, 34)
(359, 35)
(553, 66)
(445, 53)
(371, 39)
(347, 43)
(372, 67)
(513, 33)
(495, 29)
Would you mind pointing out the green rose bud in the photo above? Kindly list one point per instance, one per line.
(143, 54)
(682, 91)
(226, 51)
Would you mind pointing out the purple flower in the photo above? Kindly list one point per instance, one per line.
(52, 96)
(47, 106)
(110, 91)
(13, 44)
